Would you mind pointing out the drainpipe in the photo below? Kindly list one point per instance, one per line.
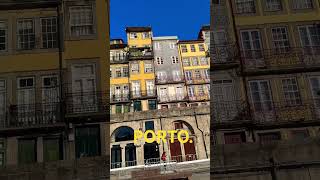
(204, 142)
(60, 63)
(161, 130)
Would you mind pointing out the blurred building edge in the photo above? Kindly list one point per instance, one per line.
(265, 78)
(53, 66)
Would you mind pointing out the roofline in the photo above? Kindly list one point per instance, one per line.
(29, 5)
(190, 41)
(165, 38)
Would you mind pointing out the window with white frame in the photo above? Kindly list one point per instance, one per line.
(302, 4)
(184, 48)
(273, 5)
(125, 71)
(188, 75)
(195, 61)
(280, 39)
(172, 45)
(176, 75)
(134, 68)
(186, 62)
(191, 91)
(157, 46)
(81, 20)
(133, 35)
(161, 75)
(197, 74)
(26, 34)
(118, 72)
(201, 90)
(3, 36)
(245, 6)
(251, 44)
(49, 32)
(204, 61)
(291, 91)
(310, 35)
(148, 68)
(207, 73)
(146, 35)
(175, 59)
(201, 48)
(193, 48)
(159, 60)
(261, 95)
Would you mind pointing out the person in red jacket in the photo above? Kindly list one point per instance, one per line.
(164, 158)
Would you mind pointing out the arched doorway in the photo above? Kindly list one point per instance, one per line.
(151, 153)
(122, 139)
(189, 149)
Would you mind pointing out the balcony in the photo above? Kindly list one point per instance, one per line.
(197, 80)
(200, 97)
(169, 80)
(292, 59)
(87, 103)
(31, 116)
(119, 59)
(225, 55)
(143, 94)
(172, 98)
(120, 98)
(140, 54)
(273, 113)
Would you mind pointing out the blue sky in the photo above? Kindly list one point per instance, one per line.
(182, 18)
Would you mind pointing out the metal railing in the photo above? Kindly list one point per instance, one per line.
(225, 54)
(202, 97)
(140, 53)
(228, 111)
(30, 115)
(172, 98)
(281, 59)
(114, 59)
(171, 79)
(143, 94)
(198, 80)
(122, 97)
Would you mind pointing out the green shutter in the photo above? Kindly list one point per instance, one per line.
(87, 142)
(27, 151)
(51, 149)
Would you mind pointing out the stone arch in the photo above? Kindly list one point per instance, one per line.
(122, 133)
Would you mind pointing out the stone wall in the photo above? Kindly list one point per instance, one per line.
(82, 169)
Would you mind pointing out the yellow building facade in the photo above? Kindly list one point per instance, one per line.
(47, 81)
(196, 67)
(141, 68)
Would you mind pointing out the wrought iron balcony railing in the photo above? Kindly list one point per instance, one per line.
(225, 54)
(266, 113)
(122, 97)
(116, 59)
(140, 53)
(170, 79)
(200, 97)
(30, 115)
(289, 58)
(172, 98)
(197, 80)
(143, 94)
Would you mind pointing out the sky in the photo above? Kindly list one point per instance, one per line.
(182, 18)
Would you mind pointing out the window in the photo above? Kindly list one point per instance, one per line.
(191, 91)
(188, 75)
(161, 75)
(204, 61)
(201, 47)
(251, 44)
(175, 59)
(245, 6)
(150, 88)
(137, 106)
(234, 138)
(197, 74)
(87, 141)
(193, 48)
(261, 95)
(215, 1)
(201, 91)
(148, 68)
(186, 61)
(118, 72)
(159, 60)
(51, 149)
(280, 39)
(184, 48)
(136, 88)
(310, 37)
(135, 68)
(133, 35)
(27, 151)
(172, 45)
(149, 125)
(3, 36)
(125, 71)
(301, 134)
(118, 109)
(81, 20)
(26, 34)
(3, 97)
(157, 45)
(49, 32)
(273, 5)
(126, 108)
(146, 35)
(302, 4)
(152, 104)
(195, 61)
(206, 73)
(2, 152)
(116, 157)
(291, 91)
(178, 125)
(269, 137)
(176, 75)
